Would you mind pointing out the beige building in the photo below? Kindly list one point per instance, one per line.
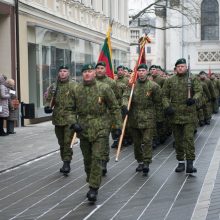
(54, 33)
(7, 39)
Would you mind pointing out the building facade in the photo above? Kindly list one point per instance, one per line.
(7, 39)
(200, 39)
(137, 30)
(66, 32)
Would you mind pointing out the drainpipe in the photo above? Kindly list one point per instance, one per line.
(17, 48)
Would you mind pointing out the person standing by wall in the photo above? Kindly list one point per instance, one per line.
(4, 109)
(13, 107)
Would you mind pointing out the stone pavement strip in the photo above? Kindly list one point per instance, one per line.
(29, 142)
(36, 190)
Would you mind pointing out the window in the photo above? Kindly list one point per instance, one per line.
(209, 20)
(135, 34)
(148, 49)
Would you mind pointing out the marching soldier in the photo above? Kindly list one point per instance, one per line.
(182, 111)
(94, 102)
(160, 136)
(142, 117)
(122, 85)
(59, 102)
(103, 78)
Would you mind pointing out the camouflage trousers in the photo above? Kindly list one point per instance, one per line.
(93, 156)
(142, 139)
(184, 141)
(64, 136)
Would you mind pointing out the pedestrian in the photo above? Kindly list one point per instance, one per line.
(94, 103)
(4, 104)
(60, 103)
(181, 108)
(142, 117)
(13, 107)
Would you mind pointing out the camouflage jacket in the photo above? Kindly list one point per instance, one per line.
(93, 103)
(175, 94)
(110, 82)
(146, 96)
(211, 88)
(122, 85)
(159, 80)
(62, 93)
(215, 84)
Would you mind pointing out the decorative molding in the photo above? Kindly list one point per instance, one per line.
(209, 56)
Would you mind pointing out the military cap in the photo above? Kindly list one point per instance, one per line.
(100, 63)
(63, 67)
(120, 66)
(126, 68)
(180, 61)
(202, 72)
(153, 66)
(160, 68)
(142, 66)
(87, 67)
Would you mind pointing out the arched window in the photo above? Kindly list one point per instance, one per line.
(209, 20)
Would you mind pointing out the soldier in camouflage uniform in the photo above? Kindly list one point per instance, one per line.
(142, 117)
(204, 78)
(94, 101)
(160, 136)
(204, 112)
(182, 112)
(215, 84)
(122, 86)
(103, 78)
(61, 94)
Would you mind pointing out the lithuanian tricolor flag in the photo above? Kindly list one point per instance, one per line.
(106, 53)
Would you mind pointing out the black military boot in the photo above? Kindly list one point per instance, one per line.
(92, 194)
(139, 167)
(115, 144)
(145, 168)
(66, 167)
(189, 167)
(104, 167)
(180, 167)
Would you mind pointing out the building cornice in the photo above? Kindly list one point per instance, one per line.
(56, 23)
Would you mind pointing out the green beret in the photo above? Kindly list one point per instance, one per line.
(100, 63)
(142, 66)
(153, 66)
(120, 67)
(126, 68)
(180, 61)
(87, 67)
(63, 67)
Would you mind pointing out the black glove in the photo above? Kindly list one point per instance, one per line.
(117, 133)
(169, 111)
(48, 109)
(76, 127)
(213, 99)
(190, 101)
(124, 110)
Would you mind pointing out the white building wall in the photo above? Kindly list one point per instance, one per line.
(186, 41)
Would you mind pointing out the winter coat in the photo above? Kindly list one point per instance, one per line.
(4, 97)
